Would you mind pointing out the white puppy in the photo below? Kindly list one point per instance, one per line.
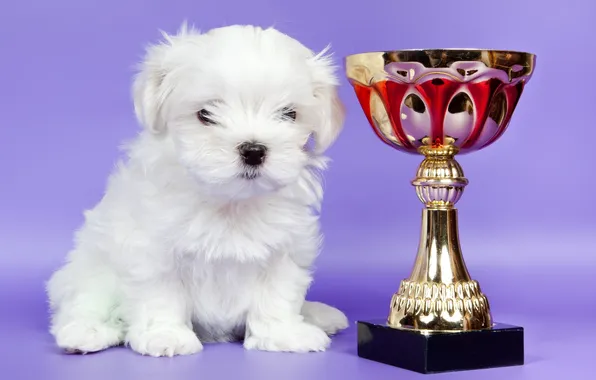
(208, 231)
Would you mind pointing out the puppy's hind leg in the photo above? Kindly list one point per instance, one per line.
(83, 305)
(328, 318)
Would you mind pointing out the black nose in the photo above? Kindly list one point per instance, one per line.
(253, 154)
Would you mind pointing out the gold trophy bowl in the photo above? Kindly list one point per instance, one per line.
(439, 103)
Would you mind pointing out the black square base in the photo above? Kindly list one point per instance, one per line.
(500, 346)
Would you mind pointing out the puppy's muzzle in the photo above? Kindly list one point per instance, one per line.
(253, 154)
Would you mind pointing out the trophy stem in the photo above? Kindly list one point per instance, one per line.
(440, 294)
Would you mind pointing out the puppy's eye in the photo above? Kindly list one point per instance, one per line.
(288, 113)
(205, 117)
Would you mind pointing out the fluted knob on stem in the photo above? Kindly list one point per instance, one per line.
(440, 180)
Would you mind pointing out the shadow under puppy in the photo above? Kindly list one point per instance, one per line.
(207, 232)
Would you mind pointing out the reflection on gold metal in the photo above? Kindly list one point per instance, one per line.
(439, 103)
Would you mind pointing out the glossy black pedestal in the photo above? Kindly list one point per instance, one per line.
(501, 346)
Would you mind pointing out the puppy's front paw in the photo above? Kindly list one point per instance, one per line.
(164, 340)
(330, 319)
(82, 336)
(295, 337)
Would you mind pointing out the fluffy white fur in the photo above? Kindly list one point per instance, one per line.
(189, 245)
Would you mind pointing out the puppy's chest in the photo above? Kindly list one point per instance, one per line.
(223, 287)
(243, 233)
(220, 296)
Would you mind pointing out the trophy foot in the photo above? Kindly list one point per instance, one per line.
(427, 352)
(438, 306)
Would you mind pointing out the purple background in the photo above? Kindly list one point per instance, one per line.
(527, 218)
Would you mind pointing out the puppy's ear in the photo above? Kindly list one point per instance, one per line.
(149, 89)
(148, 95)
(330, 109)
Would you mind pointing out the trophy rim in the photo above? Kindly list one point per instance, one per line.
(442, 50)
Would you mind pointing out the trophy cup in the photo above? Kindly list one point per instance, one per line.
(440, 103)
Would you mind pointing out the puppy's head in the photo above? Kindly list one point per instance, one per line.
(240, 105)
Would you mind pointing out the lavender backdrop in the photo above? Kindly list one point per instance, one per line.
(527, 218)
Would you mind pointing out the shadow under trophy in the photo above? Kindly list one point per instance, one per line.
(440, 103)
